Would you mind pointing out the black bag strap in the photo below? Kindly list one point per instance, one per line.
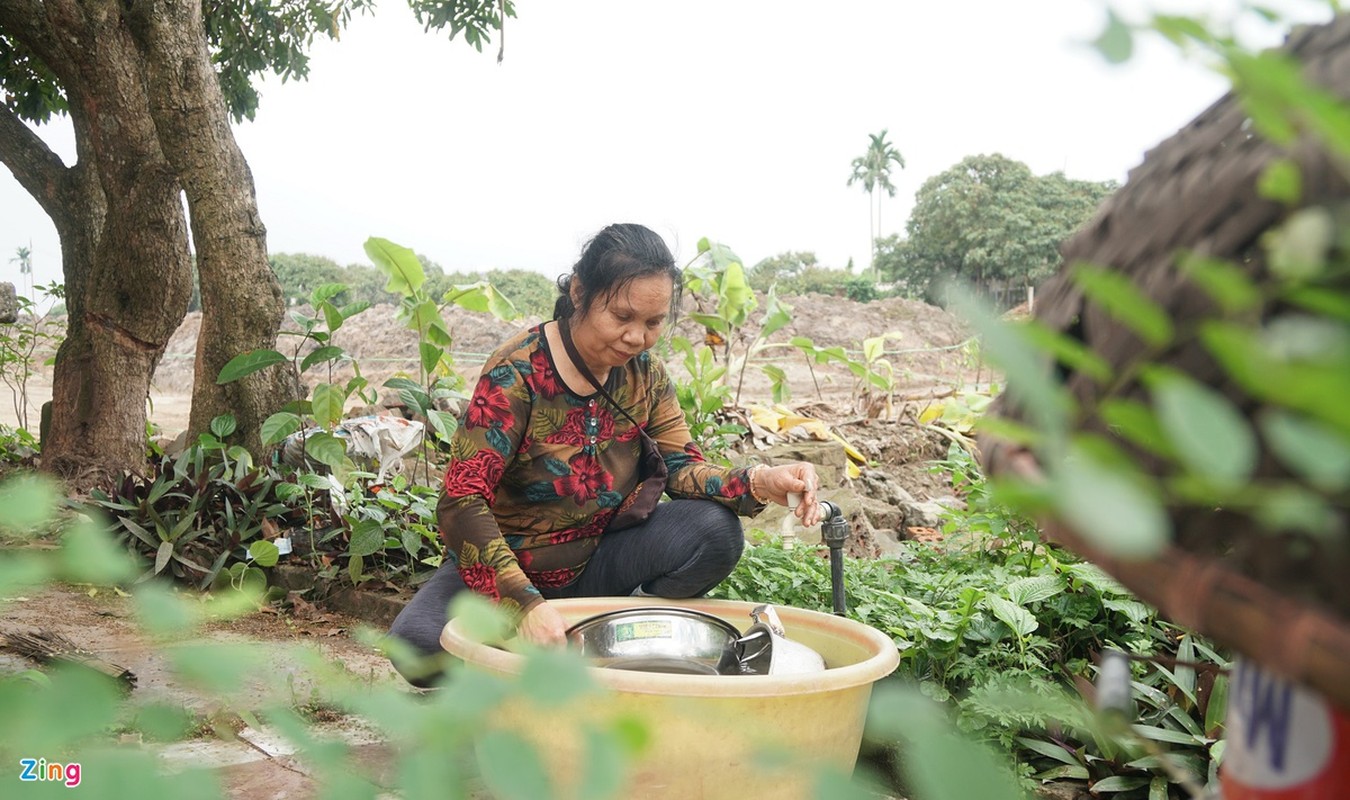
(566, 336)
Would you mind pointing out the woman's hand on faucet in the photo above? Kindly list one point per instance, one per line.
(798, 477)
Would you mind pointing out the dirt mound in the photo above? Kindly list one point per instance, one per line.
(381, 344)
(927, 349)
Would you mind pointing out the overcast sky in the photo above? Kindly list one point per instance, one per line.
(731, 119)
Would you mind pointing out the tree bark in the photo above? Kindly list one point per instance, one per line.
(126, 262)
(242, 302)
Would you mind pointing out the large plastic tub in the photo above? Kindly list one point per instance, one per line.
(713, 736)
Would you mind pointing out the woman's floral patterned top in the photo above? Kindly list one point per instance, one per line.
(537, 471)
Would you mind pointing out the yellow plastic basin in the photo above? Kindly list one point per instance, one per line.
(711, 733)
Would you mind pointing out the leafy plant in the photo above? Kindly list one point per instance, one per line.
(194, 511)
(20, 344)
(327, 401)
(1002, 627)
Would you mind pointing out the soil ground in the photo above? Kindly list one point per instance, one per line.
(928, 358)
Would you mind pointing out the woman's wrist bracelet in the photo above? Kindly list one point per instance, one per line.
(750, 479)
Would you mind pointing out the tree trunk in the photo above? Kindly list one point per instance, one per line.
(126, 262)
(242, 303)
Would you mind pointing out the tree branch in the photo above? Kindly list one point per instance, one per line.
(28, 22)
(39, 170)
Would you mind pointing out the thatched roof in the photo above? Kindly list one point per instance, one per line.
(1281, 597)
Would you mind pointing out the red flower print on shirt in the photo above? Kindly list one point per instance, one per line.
(576, 433)
(482, 579)
(552, 578)
(487, 406)
(593, 528)
(629, 434)
(543, 378)
(476, 475)
(587, 480)
(735, 487)
(691, 450)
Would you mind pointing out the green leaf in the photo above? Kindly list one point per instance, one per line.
(1313, 450)
(352, 309)
(1324, 302)
(367, 538)
(482, 297)
(325, 292)
(219, 666)
(1067, 350)
(90, 555)
(1281, 181)
(398, 264)
(264, 553)
(1119, 783)
(278, 426)
(1116, 41)
(777, 314)
(28, 501)
(1224, 281)
(160, 610)
(479, 618)
(1109, 508)
(711, 321)
(1293, 508)
(162, 556)
(430, 355)
(721, 255)
(1216, 710)
(1208, 433)
(320, 355)
(1034, 589)
(1014, 616)
(552, 678)
(331, 316)
(326, 448)
(1119, 297)
(1167, 735)
(248, 363)
(1298, 250)
(328, 401)
(1157, 789)
(1064, 772)
(1029, 383)
(1135, 422)
(512, 768)
(443, 422)
(1319, 391)
(940, 764)
(223, 425)
(1051, 750)
(736, 300)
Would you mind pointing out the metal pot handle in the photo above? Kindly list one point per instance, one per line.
(766, 615)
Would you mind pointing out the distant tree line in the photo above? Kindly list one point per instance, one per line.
(798, 272)
(300, 273)
(988, 223)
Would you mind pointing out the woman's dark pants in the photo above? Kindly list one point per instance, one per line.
(684, 549)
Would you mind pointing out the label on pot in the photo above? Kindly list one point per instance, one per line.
(645, 629)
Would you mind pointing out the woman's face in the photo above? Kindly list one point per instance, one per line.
(617, 328)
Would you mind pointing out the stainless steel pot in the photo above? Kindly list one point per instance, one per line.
(658, 639)
(681, 640)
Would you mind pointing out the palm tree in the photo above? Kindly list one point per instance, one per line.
(23, 256)
(873, 168)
